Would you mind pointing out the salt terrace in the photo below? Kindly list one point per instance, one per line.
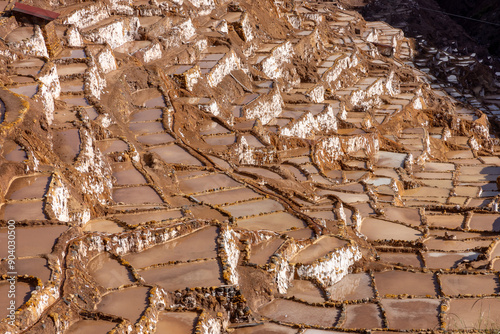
(241, 167)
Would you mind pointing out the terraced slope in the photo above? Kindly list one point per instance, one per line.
(215, 167)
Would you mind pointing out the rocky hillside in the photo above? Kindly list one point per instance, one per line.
(482, 10)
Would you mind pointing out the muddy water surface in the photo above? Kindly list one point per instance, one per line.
(254, 207)
(404, 215)
(294, 312)
(28, 187)
(102, 225)
(208, 182)
(200, 244)
(148, 115)
(155, 139)
(19, 34)
(221, 140)
(485, 222)
(22, 295)
(149, 98)
(136, 195)
(180, 276)
(71, 54)
(228, 196)
(76, 101)
(261, 252)
(75, 85)
(448, 221)
(125, 174)
(277, 222)
(129, 303)
(112, 145)
(267, 328)
(318, 249)
(32, 210)
(32, 241)
(13, 152)
(146, 127)
(176, 155)
(412, 313)
(437, 243)
(157, 215)
(362, 316)
(454, 285)
(91, 326)
(480, 314)
(298, 234)
(262, 172)
(76, 68)
(321, 214)
(28, 90)
(352, 287)
(405, 259)
(212, 128)
(70, 144)
(108, 272)
(176, 322)
(305, 290)
(406, 283)
(376, 229)
(441, 260)
(36, 267)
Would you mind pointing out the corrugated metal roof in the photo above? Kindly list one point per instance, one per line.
(35, 11)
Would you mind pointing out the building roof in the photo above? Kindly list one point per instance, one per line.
(35, 11)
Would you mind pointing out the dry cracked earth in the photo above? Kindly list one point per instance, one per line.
(206, 166)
